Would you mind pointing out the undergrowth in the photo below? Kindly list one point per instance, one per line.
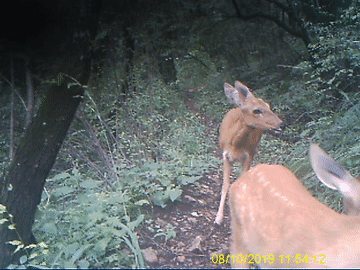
(127, 154)
(143, 152)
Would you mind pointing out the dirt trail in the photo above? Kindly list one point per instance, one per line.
(197, 242)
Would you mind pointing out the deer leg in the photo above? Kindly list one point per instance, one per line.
(238, 248)
(224, 190)
(246, 162)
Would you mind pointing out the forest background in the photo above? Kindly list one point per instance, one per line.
(135, 181)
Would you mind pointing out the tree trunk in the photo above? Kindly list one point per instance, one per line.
(34, 159)
(22, 187)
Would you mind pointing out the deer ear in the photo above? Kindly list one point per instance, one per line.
(232, 94)
(326, 168)
(243, 90)
(335, 176)
(238, 94)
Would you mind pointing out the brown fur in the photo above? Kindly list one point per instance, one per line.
(273, 214)
(241, 131)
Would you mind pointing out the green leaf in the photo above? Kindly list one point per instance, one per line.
(63, 191)
(159, 199)
(174, 193)
(90, 184)
(69, 265)
(60, 176)
(133, 224)
(142, 202)
(184, 180)
(23, 259)
(50, 229)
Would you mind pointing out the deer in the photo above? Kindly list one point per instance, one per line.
(241, 131)
(276, 222)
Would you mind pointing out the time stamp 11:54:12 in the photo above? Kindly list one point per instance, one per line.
(269, 258)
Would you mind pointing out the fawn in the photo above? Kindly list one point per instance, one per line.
(241, 131)
(276, 222)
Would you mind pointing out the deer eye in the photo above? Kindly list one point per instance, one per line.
(257, 111)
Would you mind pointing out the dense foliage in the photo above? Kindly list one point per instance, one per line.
(125, 154)
(336, 51)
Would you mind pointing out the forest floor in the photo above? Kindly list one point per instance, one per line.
(198, 242)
